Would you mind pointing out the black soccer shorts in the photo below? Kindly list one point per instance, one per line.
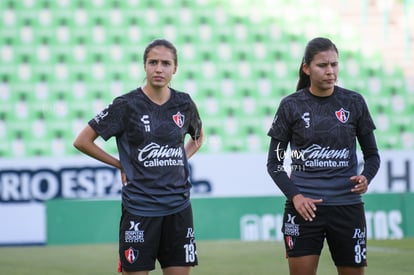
(170, 239)
(343, 227)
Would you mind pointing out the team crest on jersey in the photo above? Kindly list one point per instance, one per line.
(342, 115)
(178, 119)
(131, 255)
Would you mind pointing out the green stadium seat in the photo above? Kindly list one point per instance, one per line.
(63, 61)
(7, 50)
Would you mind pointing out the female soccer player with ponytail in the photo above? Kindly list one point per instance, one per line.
(322, 123)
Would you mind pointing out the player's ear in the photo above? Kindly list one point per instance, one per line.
(305, 68)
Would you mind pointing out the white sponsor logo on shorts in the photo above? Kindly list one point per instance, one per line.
(291, 228)
(134, 235)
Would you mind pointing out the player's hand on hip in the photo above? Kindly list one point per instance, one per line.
(360, 184)
(306, 207)
(124, 179)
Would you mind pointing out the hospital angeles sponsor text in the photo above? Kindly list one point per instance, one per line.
(134, 234)
(316, 156)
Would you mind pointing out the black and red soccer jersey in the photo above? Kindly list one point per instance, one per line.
(150, 140)
(322, 132)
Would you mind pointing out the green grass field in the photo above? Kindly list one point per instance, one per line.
(386, 257)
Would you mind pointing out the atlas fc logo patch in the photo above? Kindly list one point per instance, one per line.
(179, 119)
(131, 255)
(342, 115)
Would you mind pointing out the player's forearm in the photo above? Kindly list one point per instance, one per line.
(98, 153)
(275, 168)
(371, 156)
(85, 143)
(193, 145)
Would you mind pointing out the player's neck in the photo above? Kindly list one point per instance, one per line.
(321, 93)
(158, 96)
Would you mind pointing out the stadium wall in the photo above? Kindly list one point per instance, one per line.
(233, 218)
(52, 195)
